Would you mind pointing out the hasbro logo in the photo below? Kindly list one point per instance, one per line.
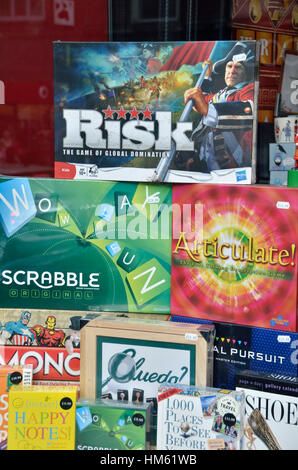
(241, 175)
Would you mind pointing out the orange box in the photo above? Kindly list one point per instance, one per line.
(10, 375)
(266, 47)
(245, 34)
(284, 42)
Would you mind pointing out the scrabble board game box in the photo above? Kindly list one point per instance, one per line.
(41, 418)
(85, 245)
(199, 418)
(10, 375)
(112, 425)
(234, 254)
(123, 111)
(271, 410)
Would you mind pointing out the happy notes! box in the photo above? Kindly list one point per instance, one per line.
(41, 417)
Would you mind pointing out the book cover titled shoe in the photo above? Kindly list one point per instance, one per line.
(234, 254)
(271, 410)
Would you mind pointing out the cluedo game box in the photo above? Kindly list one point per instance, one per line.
(234, 254)
(85, 245)
(156, 112)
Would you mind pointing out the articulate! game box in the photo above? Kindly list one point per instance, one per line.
(170, 111)
(234, 254)
(85, 245)
(198, 418)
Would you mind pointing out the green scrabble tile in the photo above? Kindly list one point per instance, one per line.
(129, 444)
(46, 206)
(128, 260)
(96, 419)
(123, 203)
(149, 198)
(148, 281)
(64, 218)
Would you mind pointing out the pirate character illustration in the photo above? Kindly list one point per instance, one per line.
(223, 137)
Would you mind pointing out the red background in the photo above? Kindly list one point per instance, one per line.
(27, 30)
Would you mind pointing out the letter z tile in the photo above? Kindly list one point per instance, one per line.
(148, 281)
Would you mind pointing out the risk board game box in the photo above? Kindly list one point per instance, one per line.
(112, 425)
(85, 245)
(41, 418)
(271, 410)
(121, 358)
(133, 112)
(198, 418)
(239, 347)
(10, 375)
(234, 255)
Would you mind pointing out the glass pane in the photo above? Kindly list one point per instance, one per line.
(28, 29)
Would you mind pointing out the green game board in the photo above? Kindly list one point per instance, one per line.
(106, 425)
(85, 245)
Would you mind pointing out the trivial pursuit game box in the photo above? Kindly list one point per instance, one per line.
(124, 111)
(79, 245)
(234, 254)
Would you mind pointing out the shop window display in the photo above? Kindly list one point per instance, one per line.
(166, 293)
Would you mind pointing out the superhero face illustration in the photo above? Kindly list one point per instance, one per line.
(51, 322)
(25, 318)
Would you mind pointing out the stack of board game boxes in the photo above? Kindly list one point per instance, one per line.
(143, 279)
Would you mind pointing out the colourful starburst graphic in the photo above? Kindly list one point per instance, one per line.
(240, 264)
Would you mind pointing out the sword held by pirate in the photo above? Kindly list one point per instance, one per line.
(162, 168)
